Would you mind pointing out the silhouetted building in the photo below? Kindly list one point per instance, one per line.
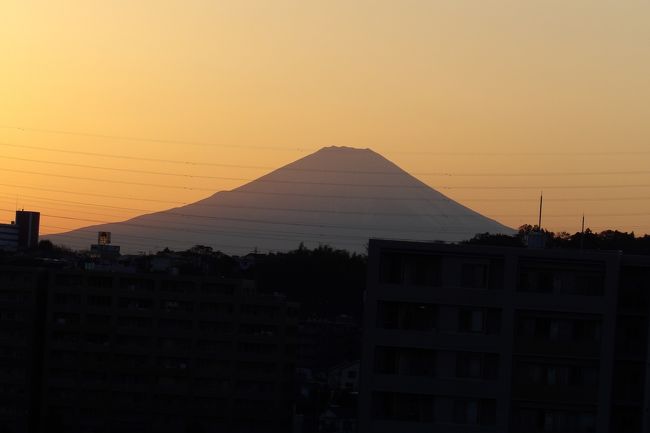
(8, 237)
(103, 247)
(337, 419)
(344, 376)
(23, 292)
(28, 228)
(110, 352)
(491, 339)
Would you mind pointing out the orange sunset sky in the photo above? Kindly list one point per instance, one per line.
(487, 101)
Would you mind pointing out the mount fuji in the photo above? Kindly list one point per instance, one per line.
(338, 196)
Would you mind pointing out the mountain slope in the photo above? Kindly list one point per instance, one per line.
(338, 196)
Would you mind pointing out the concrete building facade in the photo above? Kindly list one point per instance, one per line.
(110, 352)
(28, 228)
(489, 339)
(8, 237)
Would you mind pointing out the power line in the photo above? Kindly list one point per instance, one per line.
(238, 191)
(211, 228)
(358, 185)
(136, 158)
(212, 205)
(107, 180)
(227, 206)
(336, 238)
(262, 208)
(582, 154)
(93, 194)
(265, 235)
(262, 179)
(314, 170)
(545, 187)
(127, 242)
(301, 210)
(151, 140)
(327, 196)
(124, 170)
(256, 221)
(347, 227)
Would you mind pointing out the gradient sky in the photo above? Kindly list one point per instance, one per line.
(551, 95)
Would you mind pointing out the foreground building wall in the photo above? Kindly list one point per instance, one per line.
(23, 294)
(488, 339)
(155, 353)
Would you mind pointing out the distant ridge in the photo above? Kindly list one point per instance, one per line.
(340, 196)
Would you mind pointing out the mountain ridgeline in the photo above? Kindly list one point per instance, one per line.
(337, 196)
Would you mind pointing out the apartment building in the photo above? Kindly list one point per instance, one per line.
(22, 300)
(160, 353)
(489, 339)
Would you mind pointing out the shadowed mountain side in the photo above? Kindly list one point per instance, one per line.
(338, 196)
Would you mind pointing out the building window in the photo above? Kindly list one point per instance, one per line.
(405, 361)
(99, 282)
(257, 348)
(99, 301)
(218, 327)
(479, 320)
(474, 365)
(172, 305)
(173, 363)
(258, 330)
(136, 303)
(98, 340)
(266, 311)
(66, 337)
(474, 275)
(173, 344)
(61, 319)
(632, 335)
(407, 316)
(67, 299)
(403, 407)
(390, 267)
(412, 269)
(134, 284)
(218, 288)
(177, 286)
(214, 346)
(565, 278)
(134, 322)
(175, 324)
(471, 320)
(66, 280)
(215, 307)
(557, 375)
(135, 341)
(541, 420)
(98, 319)
(549, 327)
(475, 411)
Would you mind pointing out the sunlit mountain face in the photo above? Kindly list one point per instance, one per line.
(338, 196)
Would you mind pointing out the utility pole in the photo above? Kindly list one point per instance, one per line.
(582, 233)
(541, 202)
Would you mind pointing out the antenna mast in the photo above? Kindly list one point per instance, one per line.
(541, 203)
(582, 233)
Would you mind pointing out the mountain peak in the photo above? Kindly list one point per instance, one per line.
(344, 149)
(338, 195)
(340, 159)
